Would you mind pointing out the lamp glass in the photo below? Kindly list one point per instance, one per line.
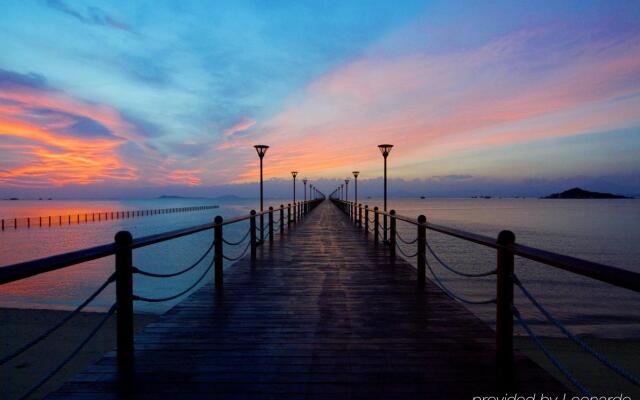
(385, 149)
(261, 149)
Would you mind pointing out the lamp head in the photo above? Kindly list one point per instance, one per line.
(355, 174)
(346, 180)
(342, 185)
(305, 180)
(294, 174)
(261, 149)
(385, 149)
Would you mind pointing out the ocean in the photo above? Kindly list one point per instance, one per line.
(605, 231)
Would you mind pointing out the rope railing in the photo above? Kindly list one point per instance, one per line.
(405, 254)
(399, 236)
(175, 296)
(71, 355)
(565, 372)
(579, 342)
(451, 294)
(246, 235)
(171, 275)
(456, 271)
(57, 326)
(239, 256)
(506, 250)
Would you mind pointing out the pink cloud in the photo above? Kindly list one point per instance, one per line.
(438, 105)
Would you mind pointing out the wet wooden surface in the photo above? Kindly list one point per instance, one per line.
(321, 314)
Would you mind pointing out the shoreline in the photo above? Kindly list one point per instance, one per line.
(21, 325)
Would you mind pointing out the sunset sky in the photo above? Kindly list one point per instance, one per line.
(115, 96)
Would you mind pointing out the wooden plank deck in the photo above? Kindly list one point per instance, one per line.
(322, 314)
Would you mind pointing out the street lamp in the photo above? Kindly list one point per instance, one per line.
(294, 174)
(346, 182)
(385, 149)
(304, 181)
(261, 149)
(355, 176)
(342, 191)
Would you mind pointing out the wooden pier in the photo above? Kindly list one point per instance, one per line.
(321, 313)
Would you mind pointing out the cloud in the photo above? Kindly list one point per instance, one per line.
(243, 125)
(92, 16)
(523, 86)
(49, 138)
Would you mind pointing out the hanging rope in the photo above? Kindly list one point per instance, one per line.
(455, 271)
(549, 355)
(403, 240)
(453, 295)
(70, 356)
(59, 324)
(240, 256)
(239, 241)
(170, 275)
(405, 254)
(584, 346)
(175, 296)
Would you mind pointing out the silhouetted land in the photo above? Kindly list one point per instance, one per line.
(578, 193)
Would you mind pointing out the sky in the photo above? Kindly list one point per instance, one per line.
(136, 99)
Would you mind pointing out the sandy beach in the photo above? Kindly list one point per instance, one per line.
(21, 325)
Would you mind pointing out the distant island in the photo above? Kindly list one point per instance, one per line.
(169, 196)
(578, 193)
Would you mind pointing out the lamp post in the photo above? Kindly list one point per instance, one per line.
(385, 149)
(342, 191)
(346, 182)
(261, 149)
(294, 174)
(355, 176)
(304, 181)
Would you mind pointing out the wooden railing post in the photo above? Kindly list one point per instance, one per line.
(504, 303)
(270, 225)
(422, 255)
(218, 248)
(288, 215)
(366, 220)
(392, 236)
(124, 299)
(360, 215)
(376, 225)
(252, 230)
(281, 219)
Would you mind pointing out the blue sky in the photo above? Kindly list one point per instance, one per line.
(116, 95)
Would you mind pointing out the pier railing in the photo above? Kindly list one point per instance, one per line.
(372, 221)
(278, 221)
(86, 217)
